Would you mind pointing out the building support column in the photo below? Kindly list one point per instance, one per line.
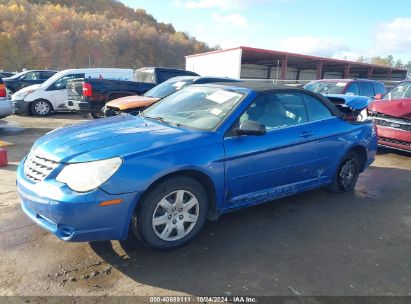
(269, 72)
(319, 69)
(284, 67)
(297, 77)
(370, 70)
(347, 71)
(389, 74)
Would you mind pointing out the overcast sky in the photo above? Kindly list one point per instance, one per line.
(341, 29)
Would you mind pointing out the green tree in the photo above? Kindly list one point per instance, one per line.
(399, 63)
(390, 60)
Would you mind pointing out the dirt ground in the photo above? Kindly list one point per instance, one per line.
(314, 243)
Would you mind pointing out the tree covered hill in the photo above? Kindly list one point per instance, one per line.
(59, 34)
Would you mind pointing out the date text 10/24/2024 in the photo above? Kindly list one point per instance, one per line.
(188, 299)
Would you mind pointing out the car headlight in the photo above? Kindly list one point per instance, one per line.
(363, 116)
(21, 96)
(83, 177)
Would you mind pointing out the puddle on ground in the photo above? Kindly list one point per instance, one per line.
(7, 127)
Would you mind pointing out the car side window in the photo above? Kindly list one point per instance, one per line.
(31, 76)
(366, 89)
(61, 83)
(353, 89)
(379, 88)
(277, 110)
(46, 75)
(315, 108)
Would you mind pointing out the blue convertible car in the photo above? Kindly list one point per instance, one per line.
(196, 154)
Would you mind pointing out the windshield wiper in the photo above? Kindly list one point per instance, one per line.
(159, 118)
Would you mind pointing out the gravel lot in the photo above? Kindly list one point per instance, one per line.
(314, 243)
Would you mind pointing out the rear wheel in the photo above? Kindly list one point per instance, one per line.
(347, 174)
(41, 107)
(171, 214)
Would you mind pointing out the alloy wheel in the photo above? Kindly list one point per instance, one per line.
(348, 174)
(175, 215)
(42, 108)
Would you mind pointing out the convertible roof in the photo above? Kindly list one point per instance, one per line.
(261, 87)
(255, 85)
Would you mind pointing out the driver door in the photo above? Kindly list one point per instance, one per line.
(58, 91)
(259, 168)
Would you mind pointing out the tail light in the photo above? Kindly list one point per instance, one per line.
(3, 92)
(87, 89)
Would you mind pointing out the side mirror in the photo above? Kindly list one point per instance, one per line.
(250, 127)
(378, 96)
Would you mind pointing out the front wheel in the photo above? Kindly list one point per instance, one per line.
(347, 174)
(171, 214)
(41, 107)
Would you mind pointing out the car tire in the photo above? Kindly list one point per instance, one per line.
(171, 214)
(41, 107)
(347, 174)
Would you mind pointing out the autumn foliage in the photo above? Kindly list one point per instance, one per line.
(62, 34)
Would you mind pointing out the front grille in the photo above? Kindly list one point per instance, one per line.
(388, 121)
(395, 124)
(38, 168)
(395, 141)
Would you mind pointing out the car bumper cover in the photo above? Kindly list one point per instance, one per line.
(72, 216)
(394, 138)
(20, 107)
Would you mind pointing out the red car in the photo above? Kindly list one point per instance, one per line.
(392, 115)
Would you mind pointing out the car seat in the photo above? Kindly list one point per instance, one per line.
(275, 114)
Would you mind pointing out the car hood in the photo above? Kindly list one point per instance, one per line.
(353, 101)
(400, 108)
(131, 102)
(26, 89)
(121, 135)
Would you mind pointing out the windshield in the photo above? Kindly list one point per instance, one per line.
(325, 87)
(53, 78)
(17, 75)
(401, 91)
(168, 87)
(202, 108)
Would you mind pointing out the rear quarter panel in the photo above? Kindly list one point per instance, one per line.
(343, 137)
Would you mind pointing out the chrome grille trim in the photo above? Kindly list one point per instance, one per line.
(38, 168)
(393, 123)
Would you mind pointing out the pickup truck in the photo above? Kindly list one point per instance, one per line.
(90, 95)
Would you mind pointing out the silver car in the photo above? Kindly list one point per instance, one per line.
(6, 107)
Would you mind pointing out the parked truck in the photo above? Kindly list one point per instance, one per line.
(91, 95)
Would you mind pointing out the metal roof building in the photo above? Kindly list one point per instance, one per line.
(252, 63)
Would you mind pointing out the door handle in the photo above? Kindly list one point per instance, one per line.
(306, 134)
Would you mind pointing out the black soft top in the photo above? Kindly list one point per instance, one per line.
(265, 88)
